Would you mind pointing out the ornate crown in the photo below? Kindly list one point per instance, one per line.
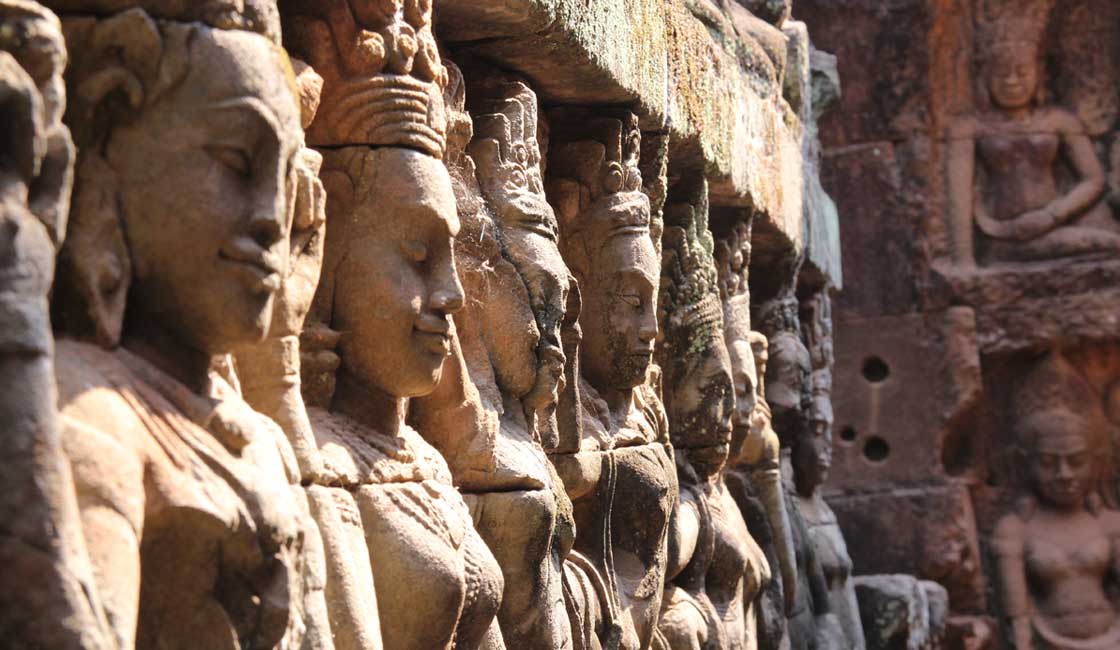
(692, 314)
(1011, 23)
(383, 78)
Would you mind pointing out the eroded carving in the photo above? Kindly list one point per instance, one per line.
(753, 476)
(497, 399)
(716, 570)
(47, 595)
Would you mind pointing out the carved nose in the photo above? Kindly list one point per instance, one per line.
(266, 229)
(448, 301)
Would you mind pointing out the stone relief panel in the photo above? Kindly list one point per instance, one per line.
(1023, 172)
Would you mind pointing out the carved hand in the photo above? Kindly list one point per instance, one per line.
(1024, 227)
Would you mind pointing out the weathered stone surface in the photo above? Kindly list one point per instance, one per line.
(897, 612)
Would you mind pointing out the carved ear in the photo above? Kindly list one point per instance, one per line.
(94, 269)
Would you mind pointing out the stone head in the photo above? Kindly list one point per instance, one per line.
(732, 254)
(1059, 434)
(389, 284)
(507, 151)
(1012, 33)
(189, 138)
(698, 386)
(607, 241)
(788, 368)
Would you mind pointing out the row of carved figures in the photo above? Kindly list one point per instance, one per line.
(312, 352)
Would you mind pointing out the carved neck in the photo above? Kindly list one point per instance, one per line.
(369, 405)
(619, 402)
(166, 351)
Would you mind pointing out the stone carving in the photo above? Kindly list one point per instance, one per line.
(789, 394)
(812, 453)
(615, 457)
(47, 594)
(186, 133)
(1006, 166)
(753, 475)
(390, 515)
(497, 398)
(1057, 550)
(716, 570)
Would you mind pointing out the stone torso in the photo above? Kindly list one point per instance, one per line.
(623, 520)
(214, 528)
(417, 529)
(1021, 171)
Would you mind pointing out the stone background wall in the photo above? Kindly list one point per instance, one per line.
(930, 352)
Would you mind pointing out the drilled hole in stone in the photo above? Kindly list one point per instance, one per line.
(876, 449)
(875, 370)
(848, 434)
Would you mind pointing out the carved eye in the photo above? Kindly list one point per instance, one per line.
(233, 158)
(633, 300)
(414, 250)
(614, 177)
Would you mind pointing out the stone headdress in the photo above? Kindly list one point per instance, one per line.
(1053, 397)
(733, 258)
(383, 78)
(595, 159)
(507, 149)
(1005, 23)
(689, 306)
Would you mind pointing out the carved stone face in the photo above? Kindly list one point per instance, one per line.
(744, 377)
(203, 177)
(812, 459)
(1061, 469)
(787, 383)
(528, 232)
(619, 317)
(1013, 75)
(396, 285)
(700, 406)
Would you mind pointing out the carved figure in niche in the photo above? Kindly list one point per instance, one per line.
(388, 290)
(1007, 167)
(753, 476)
(1057, 553)
(812, 458)
(186, 136)
(616, 462)
(497, 396)
(787, 372)
(716, 569)
(47, 595)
